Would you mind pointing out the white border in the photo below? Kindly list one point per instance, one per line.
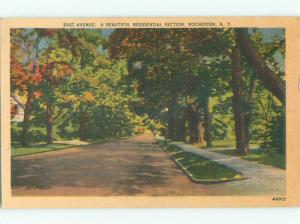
(93, 8)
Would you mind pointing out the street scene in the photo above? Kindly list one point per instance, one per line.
(148, 112)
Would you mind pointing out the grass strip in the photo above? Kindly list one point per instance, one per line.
(202, 170)
(18, 150)
(199, 169)
(266, 158)
(39, 148)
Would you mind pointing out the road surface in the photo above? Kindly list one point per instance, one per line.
(134, 166)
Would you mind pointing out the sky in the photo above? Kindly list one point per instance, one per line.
(269, 33)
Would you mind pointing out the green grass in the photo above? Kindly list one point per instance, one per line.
(18, 150)
(226, 143)
(37, 148)
(162, 142)
(201, 169)
(267, 158)
(172, 149)
(168, 148)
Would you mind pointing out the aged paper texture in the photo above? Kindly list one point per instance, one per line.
(150, 112)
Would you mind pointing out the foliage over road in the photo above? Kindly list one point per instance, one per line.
(193, 85)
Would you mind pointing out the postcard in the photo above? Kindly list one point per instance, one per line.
(150, 112)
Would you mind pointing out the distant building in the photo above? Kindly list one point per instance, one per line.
(17, 110)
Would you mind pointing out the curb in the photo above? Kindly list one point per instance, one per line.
(201, 181)
(190, 175)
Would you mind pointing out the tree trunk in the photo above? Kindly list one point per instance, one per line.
(269, 79)
(27, 113)
(49, 122)
(49, 105)
(196, 135)
(171, 127)
(181, 127)
(83, 126)
(240, 134)
(171, 132)
(207, 123)
(248, 114)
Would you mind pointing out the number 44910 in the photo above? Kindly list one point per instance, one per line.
(278, 198)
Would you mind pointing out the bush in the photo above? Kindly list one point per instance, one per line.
(274, 140)
(37, 135)
(271, 136)
(34, 134)
(16, 132)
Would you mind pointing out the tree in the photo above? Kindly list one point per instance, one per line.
(56, 67)
(25, 73)
(170, 64)
(196, 85)
(269, 79)
(240, 126)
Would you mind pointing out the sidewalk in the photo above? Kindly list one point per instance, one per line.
(261, 177)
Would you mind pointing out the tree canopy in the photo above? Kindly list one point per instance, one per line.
(193, 85)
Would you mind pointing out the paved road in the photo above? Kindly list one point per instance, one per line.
(129, 167)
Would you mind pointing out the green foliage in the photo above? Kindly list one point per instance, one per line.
(222, 123)
(205, 170)
(37, 148)
(133, 80)
(172, 148)
(270, 134)
(36, 134)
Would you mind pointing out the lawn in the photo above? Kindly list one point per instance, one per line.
(204, 170)
(200, 169)
(18, 150)
(266, 158)
(227, 147)
(172, 149)
(227, 143)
